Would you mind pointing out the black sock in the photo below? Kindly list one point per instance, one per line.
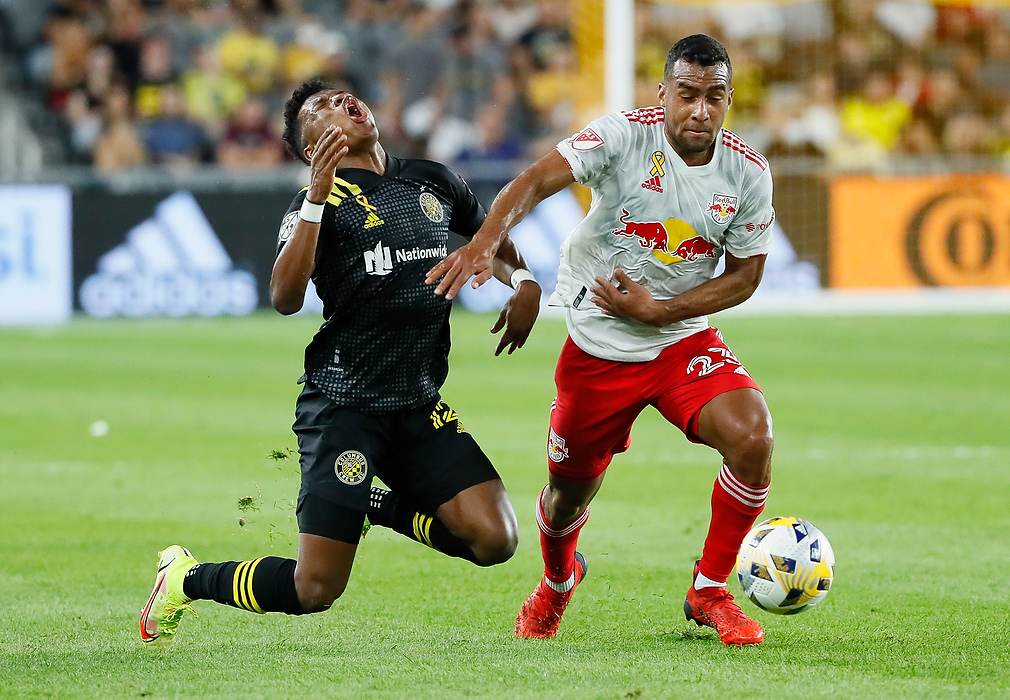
(387, 509)
(261, 585)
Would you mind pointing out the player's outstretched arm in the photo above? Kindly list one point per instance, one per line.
(297, 259)
(520, 311)
(546, 177)
(629, 299)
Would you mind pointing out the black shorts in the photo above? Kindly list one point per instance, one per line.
(423, 454)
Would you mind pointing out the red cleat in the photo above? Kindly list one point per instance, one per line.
(714, 607)
(540, 615)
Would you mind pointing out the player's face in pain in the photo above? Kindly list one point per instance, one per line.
(340, 109)
(696, 99)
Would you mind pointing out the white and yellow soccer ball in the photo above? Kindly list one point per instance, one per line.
(785, 565)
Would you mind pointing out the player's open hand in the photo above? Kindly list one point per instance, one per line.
(517, 317)
(628, 299)
(472, 260)
(329, 151)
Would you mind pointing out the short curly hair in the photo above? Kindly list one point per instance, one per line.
(293, 127)
(699, 49)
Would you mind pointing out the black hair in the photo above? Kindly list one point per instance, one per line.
(699, 49)
(293, 127)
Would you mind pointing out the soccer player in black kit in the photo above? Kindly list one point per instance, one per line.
(366, 230)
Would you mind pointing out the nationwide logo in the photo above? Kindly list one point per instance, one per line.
(379, 260)
(653, 183)
(687, 245)
(722, 208)
(586, 140)
(170, 265)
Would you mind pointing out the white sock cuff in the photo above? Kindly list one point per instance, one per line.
(563, 587)
(551, 532)
(748, 495)
(703, 581)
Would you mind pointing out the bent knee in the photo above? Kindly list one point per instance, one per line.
(496, 550)
(316, 595)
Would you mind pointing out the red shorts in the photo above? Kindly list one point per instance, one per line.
(598, 400)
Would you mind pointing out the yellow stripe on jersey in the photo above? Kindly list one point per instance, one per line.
(342, 189)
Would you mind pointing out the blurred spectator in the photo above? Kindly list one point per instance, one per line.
(813, 127)
(549, 33)
(249, 141)
(493, 141)
(876, 115)
(968, 133)
(551, 91)
(172, 138)
(211, 94)
(118, 147)
(472, 65)
(60, 65)
(124, 34)
(512, 19)
(157, 73)
(249, 54)
(313, 53)
(943, 97)
(419, 59)
(917, 139)
(85, 124)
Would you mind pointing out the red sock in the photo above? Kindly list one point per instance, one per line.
(735, 507)
(558, 547)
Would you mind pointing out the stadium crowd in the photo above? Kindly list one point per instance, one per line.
(184, 82)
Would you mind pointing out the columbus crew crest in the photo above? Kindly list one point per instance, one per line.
(431, 207)
(351, 467)
(287, 227)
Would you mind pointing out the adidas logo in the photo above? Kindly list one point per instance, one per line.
(378, 261)
(373, 220)
(653, 184)
(170, 265)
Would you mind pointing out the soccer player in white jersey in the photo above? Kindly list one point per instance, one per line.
(672, 193)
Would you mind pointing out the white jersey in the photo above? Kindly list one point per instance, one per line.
(666, 224)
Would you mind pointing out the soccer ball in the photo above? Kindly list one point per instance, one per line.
(785, 565)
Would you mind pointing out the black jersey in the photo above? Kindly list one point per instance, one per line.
(384, 344)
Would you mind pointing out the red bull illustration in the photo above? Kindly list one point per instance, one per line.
(656, 236)
(650, 234)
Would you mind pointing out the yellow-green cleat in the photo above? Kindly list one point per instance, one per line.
(160, 617)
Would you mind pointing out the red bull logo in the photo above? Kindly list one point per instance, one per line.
(650, 234)
(694, 249)
(656, 236)
(722, 208)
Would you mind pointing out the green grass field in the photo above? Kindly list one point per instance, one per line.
(892, 436)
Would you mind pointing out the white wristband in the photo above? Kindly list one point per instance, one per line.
(311, 212)
(519, 276)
